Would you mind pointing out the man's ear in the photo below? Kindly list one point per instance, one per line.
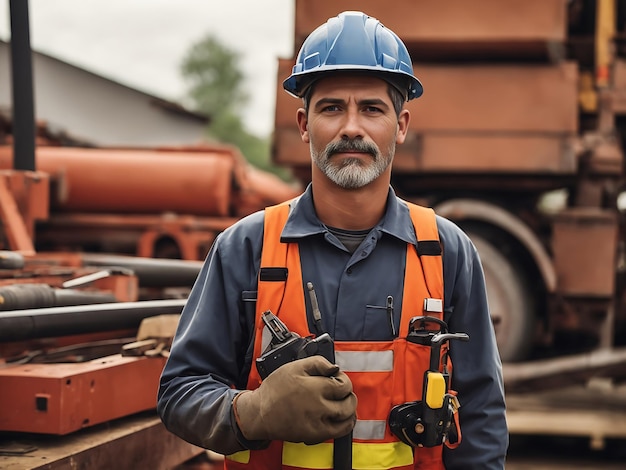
(403, 125)
(303, 125)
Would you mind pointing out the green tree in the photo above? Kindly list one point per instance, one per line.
(216, 89)
(212, 71)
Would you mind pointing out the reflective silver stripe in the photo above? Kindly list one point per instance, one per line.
(365, 361)
(370, 429)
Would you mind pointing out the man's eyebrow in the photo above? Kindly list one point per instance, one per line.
(327, 101)
(373, 101)
(363, 102)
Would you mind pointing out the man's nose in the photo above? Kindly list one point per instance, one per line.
(352, 127)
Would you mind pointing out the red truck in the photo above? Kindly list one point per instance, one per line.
(518, 139)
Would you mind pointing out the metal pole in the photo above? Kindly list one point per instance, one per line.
(151, 272)
(64, 321)
(342, 453)
(22, 86)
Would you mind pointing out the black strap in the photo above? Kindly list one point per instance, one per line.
(429, 248)
(273, 274)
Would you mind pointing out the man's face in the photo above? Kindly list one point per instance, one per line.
(352, 129)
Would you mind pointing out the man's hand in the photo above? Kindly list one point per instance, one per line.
(308, 400)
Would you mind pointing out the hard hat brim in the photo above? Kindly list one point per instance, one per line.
(297, 84)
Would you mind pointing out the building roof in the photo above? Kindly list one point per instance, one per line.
(99, 110)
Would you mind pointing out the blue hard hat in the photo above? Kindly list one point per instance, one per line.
(353, 42)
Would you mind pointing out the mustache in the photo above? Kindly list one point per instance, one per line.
(351, 145)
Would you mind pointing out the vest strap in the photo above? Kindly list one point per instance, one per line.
(425, 223)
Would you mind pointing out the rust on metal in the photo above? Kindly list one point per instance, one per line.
(63, 398)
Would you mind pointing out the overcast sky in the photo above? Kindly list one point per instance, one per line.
(141, 43)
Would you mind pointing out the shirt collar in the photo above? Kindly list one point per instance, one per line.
(303, 222)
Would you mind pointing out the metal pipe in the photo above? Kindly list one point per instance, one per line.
(151, 272)
(563, 371)
(64, 321)
(29, 296)
(22, 86)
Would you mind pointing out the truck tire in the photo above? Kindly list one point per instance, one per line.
(510, 301)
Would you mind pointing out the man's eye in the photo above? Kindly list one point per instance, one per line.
(332, 107)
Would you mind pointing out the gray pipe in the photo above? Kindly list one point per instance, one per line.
(151, 272)
(64, 321)
(23, 296)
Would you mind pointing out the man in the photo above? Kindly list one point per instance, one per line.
(350, 259)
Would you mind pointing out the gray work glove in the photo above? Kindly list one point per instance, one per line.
(308, 400)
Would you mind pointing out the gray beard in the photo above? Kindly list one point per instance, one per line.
(352, 173)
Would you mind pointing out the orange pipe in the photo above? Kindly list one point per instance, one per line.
(137, 181)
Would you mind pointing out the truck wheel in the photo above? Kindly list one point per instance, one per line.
(510, 302)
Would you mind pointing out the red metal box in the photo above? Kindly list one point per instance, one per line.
(584, 246)
(475, 117)
(435, 28)
(62, 398)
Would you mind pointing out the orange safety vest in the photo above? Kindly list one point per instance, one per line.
(370, 365)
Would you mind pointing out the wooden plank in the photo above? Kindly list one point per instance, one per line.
(598, 425)
(135, 442)
(597, 411)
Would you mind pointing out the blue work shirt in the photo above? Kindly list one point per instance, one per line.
(211, 353)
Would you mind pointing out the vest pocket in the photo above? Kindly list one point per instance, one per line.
(377, 325)
(413, 359)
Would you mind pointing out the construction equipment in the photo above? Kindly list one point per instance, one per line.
(164, 203)
(78, 373)
(517, 138)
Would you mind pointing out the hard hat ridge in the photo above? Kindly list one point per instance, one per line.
(353, 41)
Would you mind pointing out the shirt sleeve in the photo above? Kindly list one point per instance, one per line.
(477, 370)
(210, 355)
